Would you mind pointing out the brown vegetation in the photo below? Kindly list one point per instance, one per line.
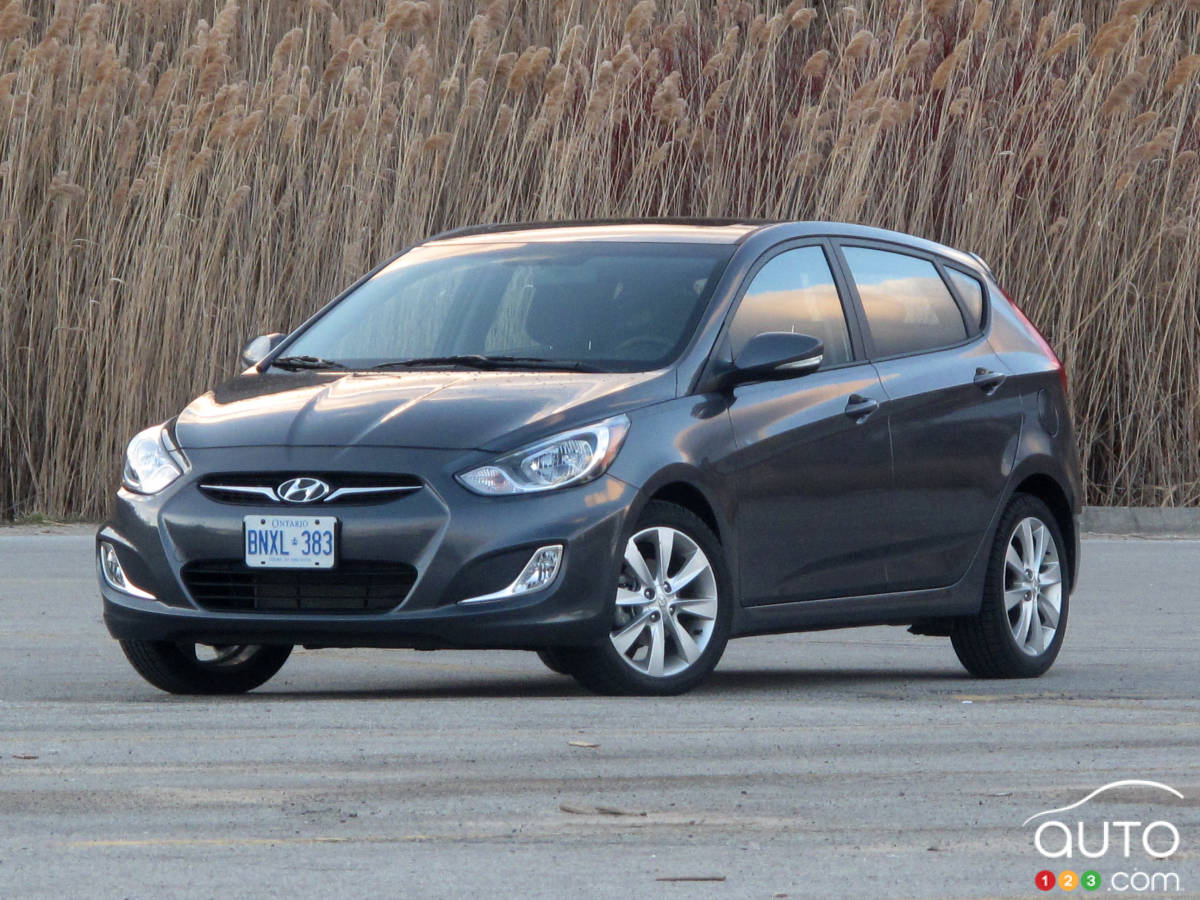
(178, 175)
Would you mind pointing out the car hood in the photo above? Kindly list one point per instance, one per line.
(449, 410)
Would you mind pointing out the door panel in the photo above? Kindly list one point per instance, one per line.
(953, 414)
(813, 485)
(955, 419)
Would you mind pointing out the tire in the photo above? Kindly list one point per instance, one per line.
(555, 660)
(182, 669)
(688, 623)
(988, 644)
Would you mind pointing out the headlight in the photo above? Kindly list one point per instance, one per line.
(152, 461)
(572, 457)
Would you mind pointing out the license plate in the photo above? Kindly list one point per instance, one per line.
(291, 542)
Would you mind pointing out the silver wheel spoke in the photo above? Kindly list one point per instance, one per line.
(219, 655)
(1012, 559)
(691, 569)
(666, 544)
(1035, 630)
(1021, 629)
(625, 638)
(1049, 612)
(637, 562)
(658, 641)
(701, 607)
(1011, 598)
(1050, 575)
(1040, 538)
(683, 640)
(626, 597)
(1026, 532)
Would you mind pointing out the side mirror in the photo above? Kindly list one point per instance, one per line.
(256, 350)
(776, 355)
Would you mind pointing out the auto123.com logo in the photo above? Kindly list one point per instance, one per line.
(1128, 855)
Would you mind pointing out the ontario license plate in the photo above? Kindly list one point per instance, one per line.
(291, 542)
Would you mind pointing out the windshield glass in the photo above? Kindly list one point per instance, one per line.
(601, 305)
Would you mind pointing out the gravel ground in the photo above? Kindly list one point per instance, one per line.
(838, 764)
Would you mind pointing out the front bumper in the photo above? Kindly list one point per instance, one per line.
(442, 530)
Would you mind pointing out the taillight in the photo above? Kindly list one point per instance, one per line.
(1041, 340)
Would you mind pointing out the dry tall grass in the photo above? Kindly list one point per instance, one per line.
(177, 175)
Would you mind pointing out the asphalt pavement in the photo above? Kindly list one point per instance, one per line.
(854, 764)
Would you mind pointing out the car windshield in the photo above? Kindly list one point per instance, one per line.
(608, 306)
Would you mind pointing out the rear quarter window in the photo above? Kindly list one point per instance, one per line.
(908, 306)
(970, 291)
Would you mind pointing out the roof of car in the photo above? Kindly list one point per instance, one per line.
(715, 231)
(686, 230)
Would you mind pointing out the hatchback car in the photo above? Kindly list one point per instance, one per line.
(617, 444)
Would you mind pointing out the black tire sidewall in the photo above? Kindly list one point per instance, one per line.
(555, 659)
(170, 667)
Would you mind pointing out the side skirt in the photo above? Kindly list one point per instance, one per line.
(928, 608)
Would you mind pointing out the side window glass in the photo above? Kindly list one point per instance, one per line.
(908, 306)
(795, 292)
(971, 292)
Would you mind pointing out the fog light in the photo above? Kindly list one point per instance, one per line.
(112, 566)
(114, 575)
(539, 572)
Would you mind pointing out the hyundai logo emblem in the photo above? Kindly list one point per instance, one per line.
(302, 490)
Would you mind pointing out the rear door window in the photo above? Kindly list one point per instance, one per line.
(909, 308)
(794, 292)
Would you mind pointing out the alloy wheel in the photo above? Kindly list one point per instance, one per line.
(1032, 585)
(666, 604)
(217, 656)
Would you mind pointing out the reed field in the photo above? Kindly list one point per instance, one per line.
(179, 175)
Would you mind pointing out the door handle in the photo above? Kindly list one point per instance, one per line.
(859, 408)
(988, 381)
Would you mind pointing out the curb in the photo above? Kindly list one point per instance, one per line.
(1144, 521)
(69, 529)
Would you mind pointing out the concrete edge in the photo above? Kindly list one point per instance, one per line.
(1142, 521)
(20, 529)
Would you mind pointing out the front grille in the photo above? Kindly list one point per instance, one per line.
(258, 488)
(354, 586)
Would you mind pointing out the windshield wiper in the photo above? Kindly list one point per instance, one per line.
(305, 362)
(480, 361)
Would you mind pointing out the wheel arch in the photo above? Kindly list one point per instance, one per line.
(693, 499)
(683, 484)
(686, 487)
(1048, 489)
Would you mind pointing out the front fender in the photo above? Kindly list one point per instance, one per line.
(687, 469)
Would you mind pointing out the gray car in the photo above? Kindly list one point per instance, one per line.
(618, 444)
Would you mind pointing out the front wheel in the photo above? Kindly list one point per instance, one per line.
(1020, 625)
(203, 668)
(555, 659)
(671, 610)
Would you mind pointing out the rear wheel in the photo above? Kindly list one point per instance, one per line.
(1023, 618)
(205, 668)
(671, 610)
